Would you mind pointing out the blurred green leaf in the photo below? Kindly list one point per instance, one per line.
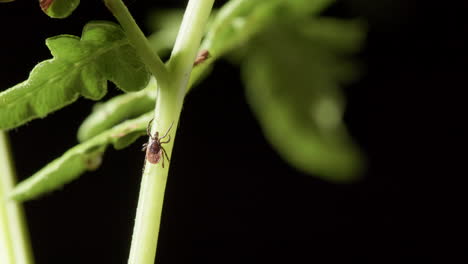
(293, 86)
(239, 20)
(83, 157)
(59, 8)
(236, 22)
(165, 25)
(337, 35)
(80, 66)
(301, 8)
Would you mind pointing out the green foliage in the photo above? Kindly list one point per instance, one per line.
(293, 75)
(102, 127)
(165, 25)
(293, 65)
(337, 36)
(118, 109)
(79, 67)
(301, 8)
(82, 157)
(59, 8)
(239, 20)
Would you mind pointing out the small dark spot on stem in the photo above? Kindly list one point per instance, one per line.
(93, 162)
(202, 56)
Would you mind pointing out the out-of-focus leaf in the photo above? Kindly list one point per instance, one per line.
(165, 25)
(238, 20)
(338, 35)
(59, 8)
(79, 67)
(301, 8)
(116, 110)
(293, 85)
(77, 160)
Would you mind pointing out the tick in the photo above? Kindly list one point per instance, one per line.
(154, 149)
(201, 57)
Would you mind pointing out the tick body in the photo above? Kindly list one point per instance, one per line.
(201, 57)
(154, 149)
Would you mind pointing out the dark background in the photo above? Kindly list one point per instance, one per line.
(230, 198)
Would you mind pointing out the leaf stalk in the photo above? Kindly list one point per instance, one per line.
(14, 241)
(138, 40)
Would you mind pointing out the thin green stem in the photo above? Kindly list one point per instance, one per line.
(138, 40)
(153, 184)
(167, 111)
(187, 44)
(14, 241)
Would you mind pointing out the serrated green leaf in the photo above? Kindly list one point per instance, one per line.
(79, 159)
(116, 110)
(292, 84)
(79, 67)
(59, 8)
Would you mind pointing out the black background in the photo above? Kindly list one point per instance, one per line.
(230, 198)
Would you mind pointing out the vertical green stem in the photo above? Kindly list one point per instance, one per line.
(167, 111)
(14, 241)
(153, 184)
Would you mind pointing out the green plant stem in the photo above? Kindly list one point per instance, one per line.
(167, 111)
(14, 241)
(138, 40)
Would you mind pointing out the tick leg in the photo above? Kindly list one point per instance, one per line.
(144, 147)
(164, 152)
(167, 131)
(162, 157)
(148, 128)
(167, 141)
